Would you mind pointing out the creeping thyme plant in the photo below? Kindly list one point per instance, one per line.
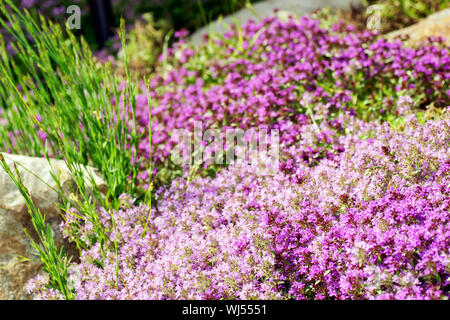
(357, 208)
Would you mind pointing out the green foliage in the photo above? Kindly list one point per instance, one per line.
(144, 45)
(62, 93)
(75, 102)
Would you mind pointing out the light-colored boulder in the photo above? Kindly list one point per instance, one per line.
(18, 259)
(437, 24)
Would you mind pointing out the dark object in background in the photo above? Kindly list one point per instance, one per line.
(102, 20)
(190, 14)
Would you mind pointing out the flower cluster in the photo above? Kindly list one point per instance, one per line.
(285, 74)
(371, 223)
(374, 224)
(357, 209)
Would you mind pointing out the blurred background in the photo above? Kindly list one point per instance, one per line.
(150, 22)
(172, 14)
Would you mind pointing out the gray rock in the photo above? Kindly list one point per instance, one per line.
(265, 8)
(18, 260)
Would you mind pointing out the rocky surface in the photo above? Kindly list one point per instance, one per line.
(265, 8)
(437, 24)
(18, 260)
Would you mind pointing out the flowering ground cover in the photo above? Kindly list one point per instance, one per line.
(309, 74)
(356, 208)
(372, 223)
